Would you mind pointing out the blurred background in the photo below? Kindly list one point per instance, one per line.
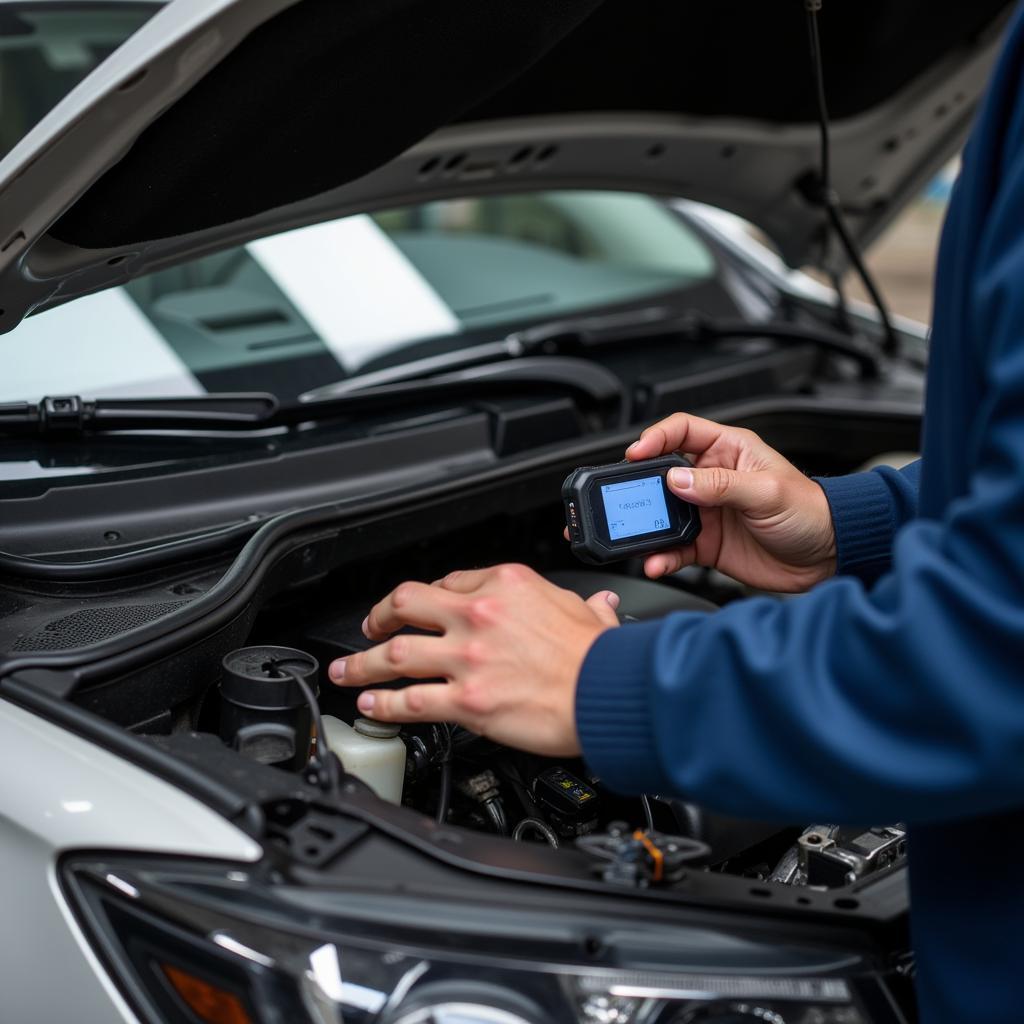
(903, 259)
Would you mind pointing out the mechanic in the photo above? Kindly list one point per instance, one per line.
(892, 691)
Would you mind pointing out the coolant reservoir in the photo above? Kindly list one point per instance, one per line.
(371, 751)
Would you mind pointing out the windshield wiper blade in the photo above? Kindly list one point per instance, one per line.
(578, 335)
(555, 337)
(545, 355)
(71, 415)
(582, 377)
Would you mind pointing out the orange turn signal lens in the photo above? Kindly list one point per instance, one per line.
(208, 1002)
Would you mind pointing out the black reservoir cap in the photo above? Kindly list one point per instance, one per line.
(258, 677)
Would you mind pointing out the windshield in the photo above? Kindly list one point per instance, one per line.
(46, 49)
(307, 307)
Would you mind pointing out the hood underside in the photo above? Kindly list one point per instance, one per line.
(222, 120)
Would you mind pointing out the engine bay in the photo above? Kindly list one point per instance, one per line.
(305, 584)
(459, 779)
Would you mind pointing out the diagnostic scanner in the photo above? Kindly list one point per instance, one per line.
(625, 509)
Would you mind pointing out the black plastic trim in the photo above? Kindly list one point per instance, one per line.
(223, 601)
(126, 563)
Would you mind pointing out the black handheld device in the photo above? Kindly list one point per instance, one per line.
(626, 509)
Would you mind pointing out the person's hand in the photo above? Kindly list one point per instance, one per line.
(510, 650)
(764, 522)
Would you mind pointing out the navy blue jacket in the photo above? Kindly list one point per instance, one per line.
(894, 692)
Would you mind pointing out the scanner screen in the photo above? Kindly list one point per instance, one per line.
(635, 507)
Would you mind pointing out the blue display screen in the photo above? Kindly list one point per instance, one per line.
(635, 507)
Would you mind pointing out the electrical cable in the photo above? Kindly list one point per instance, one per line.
(325, 767)
(535, 825)
(668, 854)
(648, 811)
(510, 773)
(444, 799)
(496, 812)
(828, 197)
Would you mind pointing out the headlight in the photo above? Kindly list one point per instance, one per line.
(189, 942)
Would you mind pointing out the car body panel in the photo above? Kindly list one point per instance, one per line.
(62, 793)
(754, 168)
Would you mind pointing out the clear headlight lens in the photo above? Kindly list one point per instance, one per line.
(459, 1013)
(195, 942)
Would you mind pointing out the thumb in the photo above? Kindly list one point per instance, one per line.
(603, 604)
(756, 493)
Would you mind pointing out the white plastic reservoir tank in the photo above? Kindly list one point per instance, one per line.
(371, 751)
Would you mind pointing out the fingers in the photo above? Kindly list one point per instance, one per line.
(471, 580)
(401, 657)
(604, 604)
(757, 494)
(679, 432)
(664, 563)
(410, 604)
(464, 581)
(431, 702)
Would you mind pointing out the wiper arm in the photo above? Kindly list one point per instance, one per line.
(551, 338)
(70, 415)
(860, 350)
(521, 361)
(568, 336)
(582, 377)
(578, 335)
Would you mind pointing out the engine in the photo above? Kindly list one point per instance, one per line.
(269, 710)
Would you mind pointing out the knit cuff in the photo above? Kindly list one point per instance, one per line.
(614, 718)
(865, 525)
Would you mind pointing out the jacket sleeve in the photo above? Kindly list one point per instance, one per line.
(868, 509)
(903, 702)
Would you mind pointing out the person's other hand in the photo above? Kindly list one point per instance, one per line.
(510, 650)
(764, 522)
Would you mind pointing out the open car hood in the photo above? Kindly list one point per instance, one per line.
(223, 120)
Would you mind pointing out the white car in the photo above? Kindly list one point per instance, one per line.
(301, 297)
